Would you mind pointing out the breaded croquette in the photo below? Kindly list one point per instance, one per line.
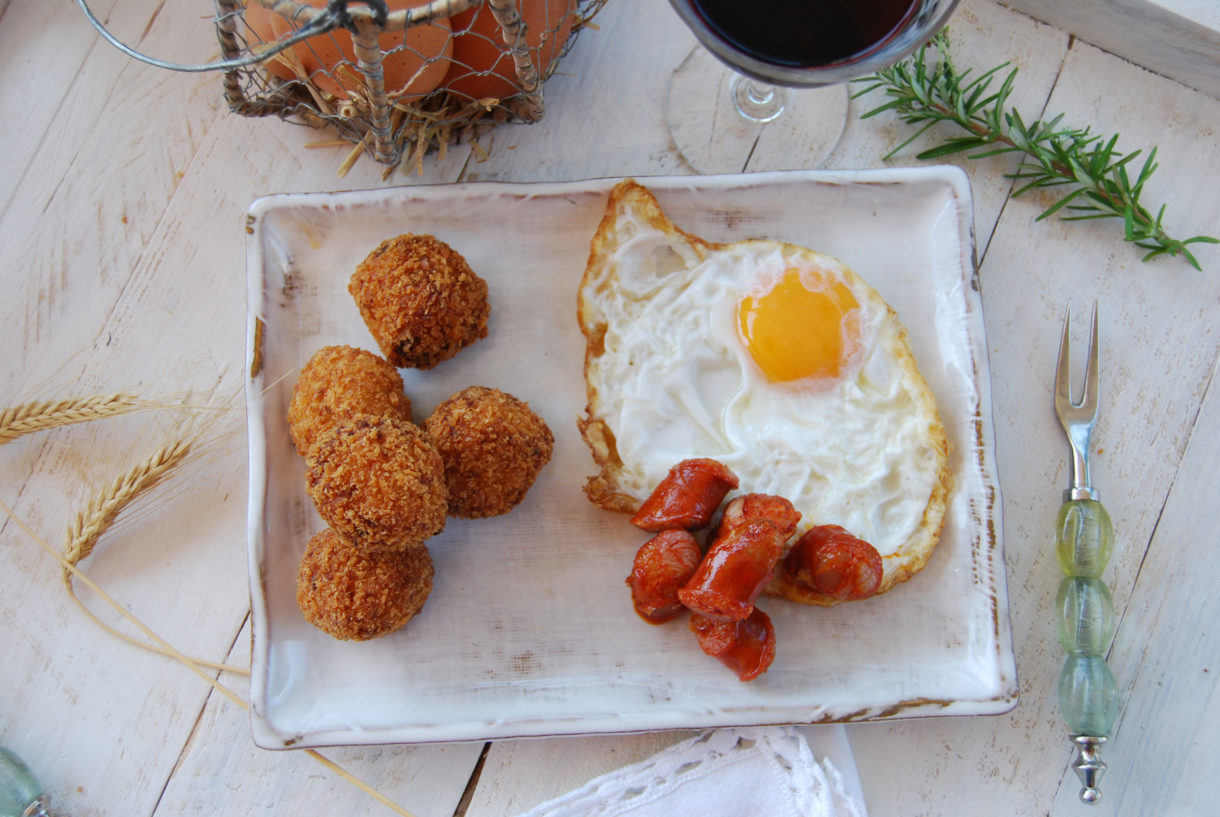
(355, 594)
(420, 300)
(379, 483)
(338, 383)
(493, 446)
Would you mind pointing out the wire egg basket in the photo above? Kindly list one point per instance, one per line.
(396, 78)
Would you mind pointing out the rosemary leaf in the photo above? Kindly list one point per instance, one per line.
(953, 146)
(1057, 206)
(927, 89)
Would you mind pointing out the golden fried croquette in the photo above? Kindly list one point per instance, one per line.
(420, 299)
(493, 447)
(356, 594)
(338, 383)
(379, 483)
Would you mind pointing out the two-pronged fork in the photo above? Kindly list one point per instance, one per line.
(1084, 538)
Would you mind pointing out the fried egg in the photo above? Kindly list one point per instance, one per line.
(776, 360)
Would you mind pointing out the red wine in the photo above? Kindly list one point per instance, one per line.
(806, 33)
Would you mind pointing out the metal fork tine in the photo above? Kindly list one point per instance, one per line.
(1063, 370)
(1089, 399)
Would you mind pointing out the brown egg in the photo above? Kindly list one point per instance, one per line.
(261, 21)
(482, 65)
(411, 72)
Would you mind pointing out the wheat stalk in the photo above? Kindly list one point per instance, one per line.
(135, 642)
(98, 516)
(42, 414)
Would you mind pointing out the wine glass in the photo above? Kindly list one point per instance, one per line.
(771, 49)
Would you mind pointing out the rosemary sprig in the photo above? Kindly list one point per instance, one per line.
(1087, 166)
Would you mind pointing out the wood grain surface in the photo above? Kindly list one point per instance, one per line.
(126, 189)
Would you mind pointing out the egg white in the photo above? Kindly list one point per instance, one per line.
(671, 378)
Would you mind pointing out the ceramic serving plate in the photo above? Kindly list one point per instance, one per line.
(529, 629)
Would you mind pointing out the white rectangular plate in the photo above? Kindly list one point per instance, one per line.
(529, 629)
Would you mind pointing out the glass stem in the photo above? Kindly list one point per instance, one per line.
(757, 101)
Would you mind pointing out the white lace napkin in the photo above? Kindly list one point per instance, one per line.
(767, 771)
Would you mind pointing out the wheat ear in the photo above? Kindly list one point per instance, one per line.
(37, 415)
(101, 511)
(99, 515)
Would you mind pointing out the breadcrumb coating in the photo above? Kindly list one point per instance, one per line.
(493, 446)
(355, 594)
(420, 300)
(338, 383)
(378, 482)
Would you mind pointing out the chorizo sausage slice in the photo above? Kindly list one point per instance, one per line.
(830, 560)
(775, 509)
(687, 497)
(747, 647)
(662, 566)
(734, 571)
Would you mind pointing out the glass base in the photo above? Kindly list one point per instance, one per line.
(708, 127)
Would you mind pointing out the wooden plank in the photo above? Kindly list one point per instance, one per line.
(82, 83)
(42, 45)
(222, 772)
(1175, 38)
(155, 120)
(100, 692)
(109, 724)
(1159, 347)
(97, 693)
(1159, 441)
(1165, 653)
(78, 220)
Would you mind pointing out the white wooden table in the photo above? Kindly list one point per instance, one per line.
(125, 192)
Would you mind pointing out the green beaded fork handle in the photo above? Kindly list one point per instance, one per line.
(20, 792)
(1084, 540)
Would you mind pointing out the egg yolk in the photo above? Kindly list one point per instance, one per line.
(794, 331)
